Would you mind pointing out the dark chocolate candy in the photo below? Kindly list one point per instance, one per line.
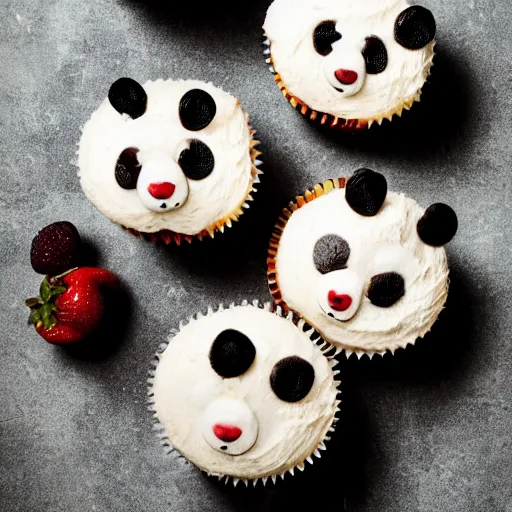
(128, 169)
(292, 379)
(386, 289)
(331, 253)
(197, 110)
(197, 162)
(415, 27)
(375, 55)
(366, 191)
(128, 97)
(324, 36)
(438, 225)
(231, 354)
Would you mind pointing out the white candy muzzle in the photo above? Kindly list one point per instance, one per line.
(339, 294)
(229, 426)
(345, 68)
(161, 186)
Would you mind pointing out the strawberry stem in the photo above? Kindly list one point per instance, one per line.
(60, 276)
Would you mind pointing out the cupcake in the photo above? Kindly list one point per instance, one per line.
(364, 266)
(170, 160)
(244, 394)
(347, 64)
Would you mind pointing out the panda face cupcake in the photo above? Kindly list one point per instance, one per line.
(363, 266)
(244, 393)
(171, 158)
(350, 63)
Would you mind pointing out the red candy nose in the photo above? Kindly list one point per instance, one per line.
(161, 190)
(346, 76)
(338, 301)
(227, 433)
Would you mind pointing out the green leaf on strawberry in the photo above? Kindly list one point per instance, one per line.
(45, 290)
(35, 316)
(47, 318)
(42, 308)
(57, 290)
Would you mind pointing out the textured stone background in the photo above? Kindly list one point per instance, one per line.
(427, 430)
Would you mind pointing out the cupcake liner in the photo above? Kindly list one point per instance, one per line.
(169, 237)
(318, 190)
(272, 275)
(332, 121)
(328, 350)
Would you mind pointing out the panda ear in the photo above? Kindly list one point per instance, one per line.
(128, 97)
(438, 225)
(415, 27)
(197, 110)
(231, 354)
(366, 192)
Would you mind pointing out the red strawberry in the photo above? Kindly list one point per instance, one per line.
(55, 249)
(71, 306)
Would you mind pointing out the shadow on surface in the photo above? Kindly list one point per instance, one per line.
(442, 355)
(200, 11)
(430, 128)
(336, 481)
(230, 253)
(89, 255)
(107, 338)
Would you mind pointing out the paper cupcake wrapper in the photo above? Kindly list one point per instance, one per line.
(169, 237)
(328, 350)
(272, 275)
(332, 121)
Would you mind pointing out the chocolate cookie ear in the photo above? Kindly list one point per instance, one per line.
(415, 27)
(231, 354)
(292, 379)
(197, 110)
(438, 225)
(128, 97)
(366, 191)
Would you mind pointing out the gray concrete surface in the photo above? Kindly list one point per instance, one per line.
(427, 430)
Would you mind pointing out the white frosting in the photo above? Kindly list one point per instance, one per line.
(185, 387)
(290, 25)
(387, 242)
(160, 137)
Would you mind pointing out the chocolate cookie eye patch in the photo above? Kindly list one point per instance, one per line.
(365, 266)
